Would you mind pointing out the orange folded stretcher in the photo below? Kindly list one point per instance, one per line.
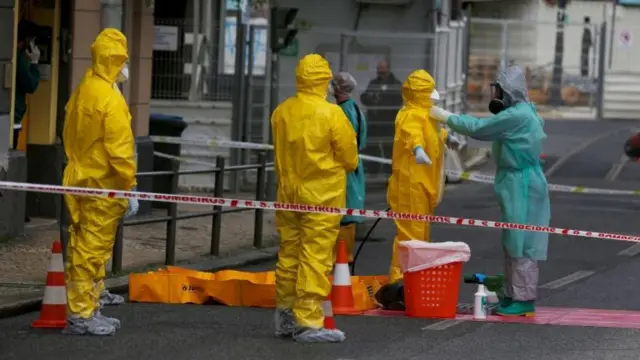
(174, 285)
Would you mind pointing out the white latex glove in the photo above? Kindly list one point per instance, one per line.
(440, 114)
(422, 157)
(453, 142)
(33, 52)
(133, 208)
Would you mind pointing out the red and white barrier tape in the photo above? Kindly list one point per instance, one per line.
(270, 205)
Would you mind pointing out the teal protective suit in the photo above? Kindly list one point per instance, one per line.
(517, 134)
(355, 180)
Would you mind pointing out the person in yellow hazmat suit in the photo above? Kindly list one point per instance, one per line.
(99, 146)
(417, 171)
(315, 146)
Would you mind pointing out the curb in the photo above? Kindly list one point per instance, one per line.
(120, 285)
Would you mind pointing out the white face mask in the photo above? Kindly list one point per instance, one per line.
(330, 89)
(124, 74)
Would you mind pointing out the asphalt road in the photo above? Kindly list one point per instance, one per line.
(612, 272)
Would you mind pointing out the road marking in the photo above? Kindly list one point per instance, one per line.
(578, 275)
(593, 208)
(442, 325)
(631, 250)
(579, 149)
(616, 169)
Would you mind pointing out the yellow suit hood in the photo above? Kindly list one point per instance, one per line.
(417, 89)
(313, 75)
(109, 54)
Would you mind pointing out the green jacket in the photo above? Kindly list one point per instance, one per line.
(27, 80)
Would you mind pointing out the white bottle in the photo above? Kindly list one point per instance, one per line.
(480, 303)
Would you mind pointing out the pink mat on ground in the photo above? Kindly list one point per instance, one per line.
(554, 316)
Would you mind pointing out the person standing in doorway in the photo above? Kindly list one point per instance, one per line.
(27, 79)
(27, 72)
(587, 43)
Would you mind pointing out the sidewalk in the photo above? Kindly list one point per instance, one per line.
(24, 260)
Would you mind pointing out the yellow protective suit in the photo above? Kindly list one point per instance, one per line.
(415, 188)
(99, 145)
(315, 146)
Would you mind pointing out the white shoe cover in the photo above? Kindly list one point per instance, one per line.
(309, 335)
(285, 322)
(91, 326)
(109, 320)
(107, 298)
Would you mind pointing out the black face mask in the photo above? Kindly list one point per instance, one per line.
(496, 104)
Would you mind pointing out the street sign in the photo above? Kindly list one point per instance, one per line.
(292, 50)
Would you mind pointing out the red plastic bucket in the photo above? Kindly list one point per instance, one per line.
(433, 292)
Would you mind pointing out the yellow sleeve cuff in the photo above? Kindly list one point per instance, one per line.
(444, 134)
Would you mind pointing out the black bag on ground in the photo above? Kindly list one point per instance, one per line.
(391, 296)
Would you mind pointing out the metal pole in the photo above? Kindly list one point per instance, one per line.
(445, 69)
(273, 102)
(172, 212)
(248, 100)
(193, 93)
(601, 71)
(591, 73)
(266, 100)
(216, 220)
(208, 63)
(504, 61)
(118, 249)
(613, 30)
(555, 98)
(465, 61)
(344, 52)
(259, 215)
(238, 98)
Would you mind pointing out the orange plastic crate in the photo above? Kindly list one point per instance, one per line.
(433, 292)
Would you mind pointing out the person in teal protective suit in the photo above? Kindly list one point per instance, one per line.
(520, 185)
(341, 87)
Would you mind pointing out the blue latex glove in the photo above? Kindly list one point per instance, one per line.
(421, 156)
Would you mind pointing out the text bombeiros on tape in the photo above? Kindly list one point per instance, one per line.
(271, 205)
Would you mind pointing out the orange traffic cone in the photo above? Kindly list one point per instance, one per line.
(341, 292)
(329, 321)
(53, 313)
